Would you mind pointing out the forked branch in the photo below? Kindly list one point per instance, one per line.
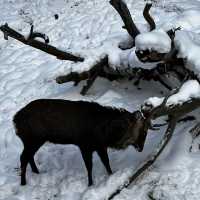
(39, 45)
(97, 70)
(102, 69)
(34, 35)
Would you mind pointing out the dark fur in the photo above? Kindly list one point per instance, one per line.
(88, 125)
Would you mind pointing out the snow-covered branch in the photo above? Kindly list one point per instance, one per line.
(184, 101)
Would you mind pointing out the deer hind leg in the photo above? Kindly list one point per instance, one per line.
(87, 157)
(27, 156)
(105, 159)
(24, 158)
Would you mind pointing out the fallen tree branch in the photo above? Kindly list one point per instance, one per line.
(39, 45)
(148, 17)
(102, 69)
(77, 77)
(123, 11)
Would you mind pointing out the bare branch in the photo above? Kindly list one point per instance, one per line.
(97, 70)
(77, 77)
(39, 45)
(123, 11)
(172, 32)
(34, 35)
(148, 17)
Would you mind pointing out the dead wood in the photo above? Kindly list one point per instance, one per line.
(174, 112)
(39, 45)
(100, 69)
(124, 12)
(148, 17)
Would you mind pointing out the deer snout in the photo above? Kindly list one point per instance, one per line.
(138, 147)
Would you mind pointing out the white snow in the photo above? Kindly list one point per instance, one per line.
(90, 28)
(189, 47)
(156, 40)
(153, 101)
(189, 19)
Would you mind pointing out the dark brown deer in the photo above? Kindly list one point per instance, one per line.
(88, 125)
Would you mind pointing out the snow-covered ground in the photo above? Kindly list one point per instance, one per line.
(87, 27)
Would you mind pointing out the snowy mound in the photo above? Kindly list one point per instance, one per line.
(189, 90)
(188, 49)
(189, 19)
(156, 40)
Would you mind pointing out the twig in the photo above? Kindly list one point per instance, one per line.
(97, 70)
(34, 35)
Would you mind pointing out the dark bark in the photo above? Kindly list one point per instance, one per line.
(172, 32)
(102, 69)
(148, 17)
(34, 35)
(39, 45)
(123, 11)
(98, 70)
(179, 110)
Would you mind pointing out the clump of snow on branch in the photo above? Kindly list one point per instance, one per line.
(156, 40)
(189, 90)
